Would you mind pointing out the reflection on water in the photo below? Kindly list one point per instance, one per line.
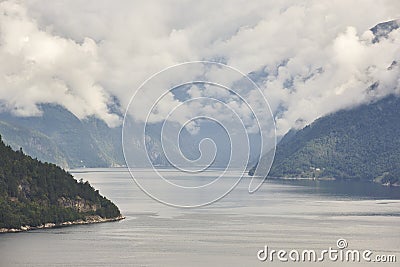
(282, 214)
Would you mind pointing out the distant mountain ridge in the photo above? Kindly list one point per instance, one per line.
(58, 136)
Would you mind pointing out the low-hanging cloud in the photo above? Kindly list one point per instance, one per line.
(312, 57)
(40, 67)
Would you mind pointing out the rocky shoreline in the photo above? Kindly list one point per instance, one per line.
(388, 184)
(89, 220)
(303, 178)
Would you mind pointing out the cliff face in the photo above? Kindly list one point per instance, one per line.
(33, 193)
(78, 204)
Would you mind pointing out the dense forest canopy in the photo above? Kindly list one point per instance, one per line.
(361, 143)
(33, 193)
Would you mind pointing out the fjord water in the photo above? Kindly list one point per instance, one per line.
(282, 214)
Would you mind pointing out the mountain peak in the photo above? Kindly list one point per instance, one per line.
(381, 30)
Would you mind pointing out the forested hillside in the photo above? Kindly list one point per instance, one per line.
(362, 143)
(33, 193)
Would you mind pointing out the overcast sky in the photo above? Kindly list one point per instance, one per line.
(312, 57)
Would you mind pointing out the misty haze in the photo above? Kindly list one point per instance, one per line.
(182, 133)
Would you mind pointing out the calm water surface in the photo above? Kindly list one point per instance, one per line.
(282, 214)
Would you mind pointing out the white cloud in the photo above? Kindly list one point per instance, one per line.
(318, 54)
(39, 67)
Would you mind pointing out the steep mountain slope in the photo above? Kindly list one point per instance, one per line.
(61, 138)
(362, 143)
(33, 193)
(33, 142)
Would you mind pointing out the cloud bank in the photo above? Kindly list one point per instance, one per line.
(310, 57)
